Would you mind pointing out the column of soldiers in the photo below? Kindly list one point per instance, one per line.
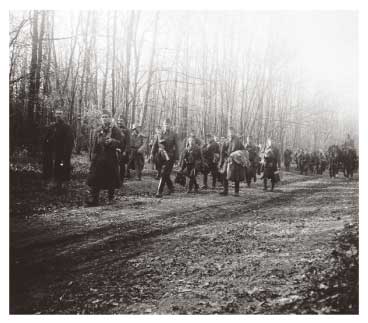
(114, 150)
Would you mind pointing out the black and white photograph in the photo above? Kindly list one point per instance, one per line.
(183, 161)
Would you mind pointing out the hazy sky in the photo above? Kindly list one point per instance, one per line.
(327, 49)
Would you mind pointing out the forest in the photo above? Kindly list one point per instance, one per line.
(143, 248)
(204, 70)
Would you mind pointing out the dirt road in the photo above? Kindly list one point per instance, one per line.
(184, 253)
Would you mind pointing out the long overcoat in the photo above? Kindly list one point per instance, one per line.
(235, 172)
(57, 148)
(104, 170)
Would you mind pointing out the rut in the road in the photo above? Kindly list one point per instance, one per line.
(70, 256)
(126, 233)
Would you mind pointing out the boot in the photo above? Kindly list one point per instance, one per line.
(213, 182)
(226, 188)
(196, 187)
(190, 188)
(205, 180)
(237, 185)
(265, 184)
(170, 185)
(139, 173)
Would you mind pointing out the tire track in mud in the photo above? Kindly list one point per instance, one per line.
(126, 233)
(49, 241)
(133, 237)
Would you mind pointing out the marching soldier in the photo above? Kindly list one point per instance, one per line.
(155, 157)
(252, 150)
(104, 170)
(192, 161)
(137, 145)
(232, 144)
(57, 150)
(82, 139)
(211, 156)
(221, 174)
(322, 162)
(170, 140)
(124, 155)
(272, 163)
(287, 158)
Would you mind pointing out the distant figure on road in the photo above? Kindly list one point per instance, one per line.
(137, 145)
(57, 150)
(124, 155)
(211, 155)
(272, 163)
(252, 149)
(192, 163)
(169, 139)
(155, 158)
(237, 172)
(82, 139)
(287, 158)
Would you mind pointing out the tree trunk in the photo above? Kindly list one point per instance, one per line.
(150, 71)
(32, 92)
(103, 98)
(113, 108)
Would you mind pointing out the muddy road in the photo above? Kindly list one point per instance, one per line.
(257, 253)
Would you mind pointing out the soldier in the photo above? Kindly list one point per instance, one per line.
(314, 162)
(296, 158)
(305, 162)
(220, 177)
(104, 170)
(252, 150)
(137, 145)
(232, 144)
(155, 157)
(287, 158)
(124, 155)
(211, 156)
(322, 162)
(192, 161)
(57, 150)
(300, 160)
(170, 140)
(272, 163)
(82, 139)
